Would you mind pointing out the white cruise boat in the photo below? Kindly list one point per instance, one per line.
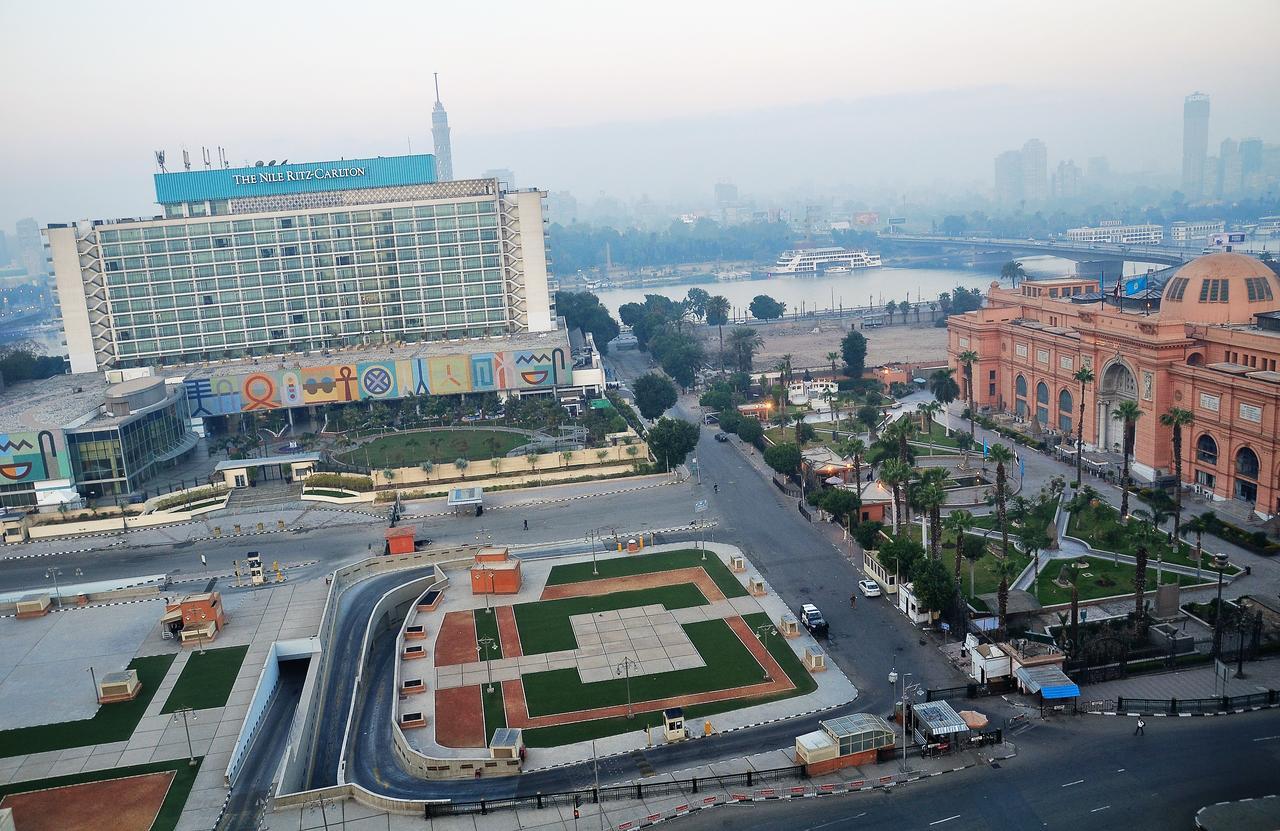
(810, 261)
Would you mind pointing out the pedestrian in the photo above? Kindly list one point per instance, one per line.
(715, 487)
(526, 525)
(1138, 731)
(853, 599)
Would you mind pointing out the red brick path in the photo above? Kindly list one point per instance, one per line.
(518, 710)
(456, 642)
(460, 717)
(508, 632)
(657, 579)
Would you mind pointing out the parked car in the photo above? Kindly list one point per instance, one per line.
(869, 588)
(722, 437)
(813, 620)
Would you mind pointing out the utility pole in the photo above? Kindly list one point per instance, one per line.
(483, 647)
(624, 668)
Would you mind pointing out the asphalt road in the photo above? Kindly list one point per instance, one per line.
(1085, 772)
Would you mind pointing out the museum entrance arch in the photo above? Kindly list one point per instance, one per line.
(1118, 384)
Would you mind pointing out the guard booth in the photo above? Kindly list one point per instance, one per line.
(937, 727)
(673, 724)
(508, 743)
(466, 501)
(254, 561)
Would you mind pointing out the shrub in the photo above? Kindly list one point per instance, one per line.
(750, 430)
(341, 481)
(194, 495)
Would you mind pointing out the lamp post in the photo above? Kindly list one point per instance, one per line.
(624, 669)
(762, 631)
(1240, 644)
(186, 712)
(483, 648)
(591, 540)
(896, 677)
(53, 573)
(1220, 564)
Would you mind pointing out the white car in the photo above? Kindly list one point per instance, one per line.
(869, 588)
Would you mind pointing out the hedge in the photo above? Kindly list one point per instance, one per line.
(340, 481)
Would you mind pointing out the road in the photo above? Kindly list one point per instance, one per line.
(1085, 772)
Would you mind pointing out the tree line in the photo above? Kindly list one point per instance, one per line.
(581, 246)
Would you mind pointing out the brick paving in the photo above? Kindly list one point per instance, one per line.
(456, 641)
(508, 632)
(463, 726)
(634, 582)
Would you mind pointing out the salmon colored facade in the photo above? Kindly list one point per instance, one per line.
(1211, 348)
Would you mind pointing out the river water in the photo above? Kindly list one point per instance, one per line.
(875, 286)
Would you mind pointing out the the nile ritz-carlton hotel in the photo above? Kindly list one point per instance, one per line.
(1208, 343)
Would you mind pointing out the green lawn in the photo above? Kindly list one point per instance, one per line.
(937, 435)
(206, 680)
(647, 564)
(599, 728)
(112, 722)
(985, 579)
(1099, 526)
(495, 714)
(1107, 579)
(544, 624)
(435, 446)
(487, 627)
(184, 776)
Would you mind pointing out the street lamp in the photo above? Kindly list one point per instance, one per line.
(1220, 564)
(894, 678)
(762, 631)
(186, 712)
(53, 573)
(1240, 644)
(483, 648)
(590, 539)
(624, 669)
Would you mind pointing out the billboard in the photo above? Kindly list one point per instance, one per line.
(897, 220)
(1227, 238)
(33, 457)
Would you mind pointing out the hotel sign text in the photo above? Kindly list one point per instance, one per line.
(271, 176)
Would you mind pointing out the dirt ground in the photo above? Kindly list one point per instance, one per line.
(456, 641)
(808, 342)
(634, 582)
(128, 804)
(460, 717)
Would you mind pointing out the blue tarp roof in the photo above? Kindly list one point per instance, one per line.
(1050, 681)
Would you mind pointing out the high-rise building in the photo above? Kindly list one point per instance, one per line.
(1195, 144)
(4, 250)
(1099, 168)
(1251, 164)
(1229, 172)
(1035, 171)
(726, 194)
(303, 258)
(440, 137)
(1066, 180)
(1009, 178)
(505, 176)
(30, 248)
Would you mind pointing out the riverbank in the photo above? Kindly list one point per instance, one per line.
(808, 341)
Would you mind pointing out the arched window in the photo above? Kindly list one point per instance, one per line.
(1195, 359)
(1020, 387)
(1020, 408)
(1207, 450)
(1064, 410)
(1042, 403)
(1246, 463)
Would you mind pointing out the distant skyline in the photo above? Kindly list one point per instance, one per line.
(663, 101)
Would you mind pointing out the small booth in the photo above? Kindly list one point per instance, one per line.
(495, 571)
(1049, 683)
(988, 663)
(788, 626)
(119, 686)
(466, 501)
(196, 618)
(843, 742)
(403, 539)
(937, 727)
(33, 605)
(673, 724)
(246, 473)
(507, 743)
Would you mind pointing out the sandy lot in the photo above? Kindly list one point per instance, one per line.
(809, 342)
(128, 804)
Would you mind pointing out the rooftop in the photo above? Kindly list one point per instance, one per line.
(26, 406)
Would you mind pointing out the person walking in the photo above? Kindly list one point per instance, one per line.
(1138, 730)
(853, 599)
(526, 525)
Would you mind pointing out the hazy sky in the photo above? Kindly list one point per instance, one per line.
(661, 98)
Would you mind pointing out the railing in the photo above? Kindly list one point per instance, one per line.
(967, 691)
(1197, 706)
(637, 791)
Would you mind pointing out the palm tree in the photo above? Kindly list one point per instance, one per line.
(973, 553)
(969, 358)
(532, 458)
(889, 309)
(927, 410)
(856, 448)
(901, 432)
(461, 465)
(1085, 376)
(833, 357)
(1007, 570)
(1002, 455)
(958, 522)
(1129, 413)
(1013, 272)
(895, 473)
(744, 342)
(1139, 586)
(1177, 418)
(1198, 525)
(931, 496)
(942, 384)
(717, 312)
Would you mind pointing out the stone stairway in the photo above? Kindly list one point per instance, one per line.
(265, 496)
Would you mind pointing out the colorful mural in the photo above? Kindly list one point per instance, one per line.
(523, 369)
(33, 457)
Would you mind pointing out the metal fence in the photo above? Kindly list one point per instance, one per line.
(612, 793)
(1197, 706)
(967, 691)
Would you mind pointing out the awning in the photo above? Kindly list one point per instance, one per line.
(938, 718)
(1050, 681)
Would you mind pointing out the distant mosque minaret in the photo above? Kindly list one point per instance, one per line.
(440, 135)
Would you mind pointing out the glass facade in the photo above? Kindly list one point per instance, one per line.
(118, 458)
(191, 290)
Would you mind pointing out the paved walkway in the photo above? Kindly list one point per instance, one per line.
(1260, 676)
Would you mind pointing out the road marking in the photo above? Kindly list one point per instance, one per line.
(1266, 738)
(835, 822)
(1069, 784)
(1103, 808)
(1121, 770)
(948, 819)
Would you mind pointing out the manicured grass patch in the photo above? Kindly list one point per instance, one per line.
(184, 776)
(788, 660)
(985, 578)
(1099, 525)
(937, 435)
(112, 722)
(544, 624)
(495, 714)
(207, 679)
(648, 564)
(487, 627)
(1107, 579)
(435, 446)
(728, 664)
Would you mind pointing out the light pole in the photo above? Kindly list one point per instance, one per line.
(894, 678)
(624, 669)
(1240, 644)
(53, 573)
(93, 679)
(590, 539)
(1220, 564)
(186, 712)
(762, 631)
(483, 647)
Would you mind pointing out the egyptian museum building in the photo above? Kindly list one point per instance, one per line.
(1209, 343)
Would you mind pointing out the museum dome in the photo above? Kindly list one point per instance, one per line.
(1221, 288)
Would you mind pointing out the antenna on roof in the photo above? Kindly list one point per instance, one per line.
(259, 163)
(222, 158)
(436, 75)
(160, 161)
(204, 151)
(186, 159)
